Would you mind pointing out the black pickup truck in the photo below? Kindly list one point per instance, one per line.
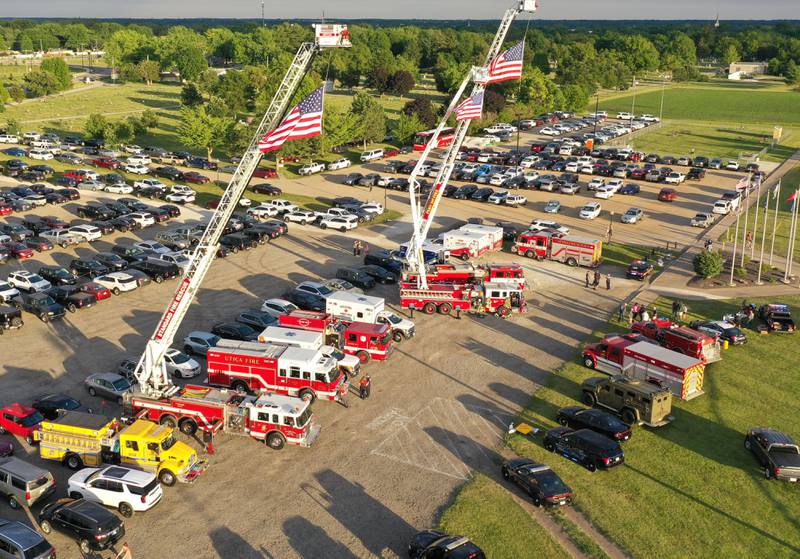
(776, 451)
(777, 318)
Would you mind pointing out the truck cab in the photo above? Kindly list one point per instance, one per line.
(278, 420)
(152, 447)
(367, 341)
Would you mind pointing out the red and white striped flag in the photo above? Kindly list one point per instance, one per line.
(470, 108)
(507, 65)
(303, 121)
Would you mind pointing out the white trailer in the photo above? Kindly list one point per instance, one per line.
(352, 307)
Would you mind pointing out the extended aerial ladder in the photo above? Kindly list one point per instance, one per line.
(422, 218)
(151, 373)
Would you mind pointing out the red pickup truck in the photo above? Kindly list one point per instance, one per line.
(680, 338)
(20, 420)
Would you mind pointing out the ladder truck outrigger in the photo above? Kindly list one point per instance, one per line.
(476, 296)
(275, 419)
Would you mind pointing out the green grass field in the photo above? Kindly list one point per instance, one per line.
(486, 513)
(690, 489)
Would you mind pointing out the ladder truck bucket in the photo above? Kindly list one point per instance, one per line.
(528, 5)
(331, 35)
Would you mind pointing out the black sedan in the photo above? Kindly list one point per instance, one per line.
(86, 267)
(58, 275)
(539, 481)
(256, 318)
(50, 404)
(171, 209)
(599, 421)
(235, 331)
(235, 242)
(113, 262)
(465, 192)
(482, 194)
(639, 270)
(306, 301)
(721, 329)
(352, 179)
(38, 244)
(381, 275)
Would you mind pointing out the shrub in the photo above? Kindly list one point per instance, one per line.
(708, 264)
(740, 272)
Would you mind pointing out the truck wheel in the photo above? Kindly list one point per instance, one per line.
(429, 308)
(398, 336)
(323, 226)
(464, 256)
(503, 312)
(307, 394)
(44, 318)
(529, 254)
(125, 510)
(167, 478)
(275, 441)
(550, 446)
(158, 279)
(46, 527)
(363, 356)
(589, 399)
(169, 420)
(188, 427)
(445, 308)
(240, 387)
(589, 362)
(92, 392)
(629, 416)
(16, 322)
(572, 262)
(767, 473)
(591, 466)
(29, 439)
(562, 421)
(747, 444)
(73, 462)
(64, 245)
(75, 495)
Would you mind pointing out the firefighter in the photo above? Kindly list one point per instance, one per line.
(587, 278)
(364, 387)
(608, 282)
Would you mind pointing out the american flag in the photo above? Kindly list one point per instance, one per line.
(303, 121)
(508, 65)
(470, 107)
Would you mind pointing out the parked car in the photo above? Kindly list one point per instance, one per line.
(777, 453)
(157, 270)
(117, 487)
(540, 482)
(306, 301)
(356, 277)
(117, 282)
(27, 281)
(39, 304)
(72, 298)
(667, 194)
(596, 420)
(22, 541)
(380, 274)
(256, 319)
(10, 319)
(51, 405)
(277, 307)
(777, 317)
(20, 420)
(585, 447)
(590, 211)
(95, 528)
(722, 330)
(235, 331)
(702, 220)
(198, 342)
(111, 386)
(632, 215)
(432, 544)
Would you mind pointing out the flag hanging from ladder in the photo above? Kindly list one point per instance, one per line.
(470, 107)
(303, 121)
(507, 65)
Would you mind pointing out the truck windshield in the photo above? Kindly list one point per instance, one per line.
(393, 318)
(167, 443)
(304, 418)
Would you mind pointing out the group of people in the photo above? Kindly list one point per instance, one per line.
(594, 280)
(636, 312)
(360, 247)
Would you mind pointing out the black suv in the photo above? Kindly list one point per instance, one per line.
(71, 297)
(57, 275)
(113, 262)
(587, 448)
(40, 304)
(599, 421)
(432, 544)
(306, 301)
(10, 319)
(385, 260)
(130, 253)
(157, 270)
(237, 241)
(18, 540)
(92, 211)
(235, 331)
(95, 527)
(86, 267)
(50, 404)
(169, 173)
(356, 277)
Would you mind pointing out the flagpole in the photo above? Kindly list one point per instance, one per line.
(775, 223)
(763, 236)
(790, 249)
(746, 217)
(755, 223)
(735, 240)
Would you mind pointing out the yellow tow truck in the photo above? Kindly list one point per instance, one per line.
(78, 439)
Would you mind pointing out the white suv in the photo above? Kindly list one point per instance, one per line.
(88, 232)
(117, 282)
(117, 487)
(341, 223)
(28, 281)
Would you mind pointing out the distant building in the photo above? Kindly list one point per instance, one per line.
(752, 68)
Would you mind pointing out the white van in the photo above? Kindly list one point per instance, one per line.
(371, 155)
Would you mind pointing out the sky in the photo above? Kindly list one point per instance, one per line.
(403, 9)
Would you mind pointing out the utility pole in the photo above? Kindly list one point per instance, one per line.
(596, 109)
(262, 14)
(661, 110)
(775, 222)
(633, 102)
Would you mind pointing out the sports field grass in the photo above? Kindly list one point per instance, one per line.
(486, 513)
(690, 489)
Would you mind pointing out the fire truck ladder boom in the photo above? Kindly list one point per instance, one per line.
(422, 220)
(151, 373)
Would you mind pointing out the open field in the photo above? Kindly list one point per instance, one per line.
(691, 485)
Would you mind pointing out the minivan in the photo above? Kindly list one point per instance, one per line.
(371, 155)
(23, 483)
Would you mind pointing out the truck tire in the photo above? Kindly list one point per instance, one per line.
(307, 394)
(572, 262)
(589, 362)
(125, 509)
(464, 256)
(429, 308)
(629, 416)
(397, 336)
(16, 322)
(73, 462)
(158, 279)
(549, 446)
(275, 441)
(363, 356)
(747, 443)
(503, 312)
(445, 308)
(591, 466)
(92, 392)
(240, 387)
(562, 420)
(166, 477)
(767, 473)
(323, 226)
(44, 318)
(64, 245)
(169, 420)
(529, 254)
(188, 426)
(75, 495)
(588, 398)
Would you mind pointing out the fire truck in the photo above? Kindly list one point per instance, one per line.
(273, 419)
(466, 244)
(253, 367)
(490, 297)
(348, 307)
(681, 339)
(493, 234)
(467, 273)
(551, 245)
(310, 339)
(681, 374)
(364, 340)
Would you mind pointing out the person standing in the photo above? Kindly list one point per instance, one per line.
(124, 552)
(623, 307)
(654, 313)
(608, 282)
(645, 315)
(355, 247)
(364, 387)
(596, 281)
(364, 248)
(674, 309)
(587, 278)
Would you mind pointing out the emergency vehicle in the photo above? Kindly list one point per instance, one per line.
(681, 374)
(348, 307)
(467, 272)
(551, 245)
(493, 297)
(274, 419)
(310, 339)
(681, 339)
(253, 367)
(467, 244)
(78, 439)
(494, 234)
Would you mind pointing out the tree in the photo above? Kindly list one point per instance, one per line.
(39, 83)
(406, 127)
(137, 125)
(190, 62)
(76, 36)
(638, 53)
(371, 118)
(190, 95)
(575, 97)
(708, 264)
(124, 131)
(16, 92)
(423, 109)
(791, 73)
(379, 80)
(5, 96)
(59, 69)
(449, 78)
(201, 130)
(535, 92)
(493, 102)
(149, 71)
(149, 119)
(96, 126)
(401, 83)
(122, 45)
(12, 126)
(338, 128)
(128, 72)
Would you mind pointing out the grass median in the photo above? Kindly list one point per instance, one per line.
(690, 488)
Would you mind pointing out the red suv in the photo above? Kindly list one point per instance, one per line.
(667, 194)
(265, 173)
(20, 420)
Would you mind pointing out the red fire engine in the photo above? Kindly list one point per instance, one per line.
(249, 366)
(681, 374)
(681, 339)
(364, 340)
(495, 297)
(274, 419)
(551, 245)
(463, 273)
